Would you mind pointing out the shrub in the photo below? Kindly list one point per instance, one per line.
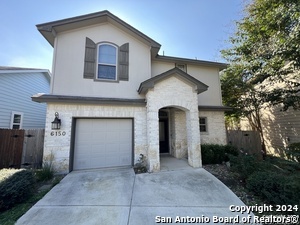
(288, 166)
(245, 165)
(44, 174)
(276, 188)
(216, 154)
(141, 165)
(293, 152)
(16, 187)
(47, 172)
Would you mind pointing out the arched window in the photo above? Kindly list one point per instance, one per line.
(107, 61)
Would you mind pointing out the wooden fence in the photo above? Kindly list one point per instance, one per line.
(21, 148)
(247, 142)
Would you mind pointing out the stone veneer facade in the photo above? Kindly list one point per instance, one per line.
(60, 145)
(183, 121)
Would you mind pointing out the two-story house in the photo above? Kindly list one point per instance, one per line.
(117, 98)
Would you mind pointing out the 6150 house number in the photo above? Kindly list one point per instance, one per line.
(58, 133)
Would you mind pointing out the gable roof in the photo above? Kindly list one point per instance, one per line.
(147, 84)
(49, 30)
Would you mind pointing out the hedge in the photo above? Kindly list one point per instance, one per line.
(216, 154)
(15, 187)
(275, 188)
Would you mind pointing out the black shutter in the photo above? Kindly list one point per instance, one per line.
(124, 62)
(89, 59)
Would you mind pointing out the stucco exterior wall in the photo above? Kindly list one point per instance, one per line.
(60, 145)
(216, 133)
(68, 63)
(207, 75)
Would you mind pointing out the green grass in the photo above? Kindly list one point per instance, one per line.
(10, 217)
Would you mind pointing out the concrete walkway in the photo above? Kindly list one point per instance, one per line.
(118, 196)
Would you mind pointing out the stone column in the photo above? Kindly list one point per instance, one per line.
(193, 136)
(153, 140)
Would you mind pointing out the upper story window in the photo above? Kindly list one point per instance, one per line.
(16, 120)
(107, 62)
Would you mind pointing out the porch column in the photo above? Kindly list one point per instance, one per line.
(193, 137)
(153, 140)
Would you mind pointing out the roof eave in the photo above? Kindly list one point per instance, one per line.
(48, 98)
(49, 30)
(218, 65)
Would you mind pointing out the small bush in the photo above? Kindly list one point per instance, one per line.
(216, 154)
(47, 172)
(141, 165)
(16, 187)
(245, 165)
(44, 174)
(293, 152)
(288, 166)
(275, 188)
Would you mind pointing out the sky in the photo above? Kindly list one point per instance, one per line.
(194, 29)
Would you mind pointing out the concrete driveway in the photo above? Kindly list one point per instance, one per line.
(118, 196)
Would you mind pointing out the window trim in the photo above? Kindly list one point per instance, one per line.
(97, 62)
(13, 113)
(206, 125)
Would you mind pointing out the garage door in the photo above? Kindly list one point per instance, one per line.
(102, 143)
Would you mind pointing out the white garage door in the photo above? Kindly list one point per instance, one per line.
(102, 143)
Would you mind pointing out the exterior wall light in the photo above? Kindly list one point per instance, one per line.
(55, 125)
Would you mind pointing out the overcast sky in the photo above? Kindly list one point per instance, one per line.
(185, 28)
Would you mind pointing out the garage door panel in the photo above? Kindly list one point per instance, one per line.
(112, 136)
(102, 143)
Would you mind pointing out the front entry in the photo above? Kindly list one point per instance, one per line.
(163, 136)
(163, 132)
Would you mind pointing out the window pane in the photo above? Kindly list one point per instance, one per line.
(16, 127)
(17, 118)
(107, 54)
(107, 72)
(202, 128)
(202, 120)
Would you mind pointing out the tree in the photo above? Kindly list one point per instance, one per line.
(264, 60)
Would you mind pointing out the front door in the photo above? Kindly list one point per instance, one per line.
(163, 136)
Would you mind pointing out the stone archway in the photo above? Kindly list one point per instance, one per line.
(173, 92)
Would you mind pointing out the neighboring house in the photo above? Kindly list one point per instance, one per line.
(280, 128)
(117, 98)
(17, 85)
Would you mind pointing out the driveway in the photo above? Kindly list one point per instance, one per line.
(118, 196)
